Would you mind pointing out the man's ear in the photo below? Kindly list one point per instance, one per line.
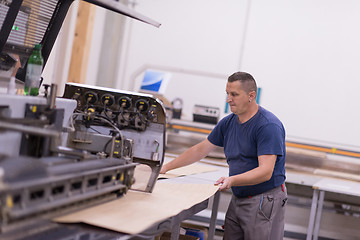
(252, 95)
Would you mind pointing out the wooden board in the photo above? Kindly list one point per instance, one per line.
(137, 211)
(82, 42)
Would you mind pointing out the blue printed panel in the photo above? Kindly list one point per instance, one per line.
(152, 81)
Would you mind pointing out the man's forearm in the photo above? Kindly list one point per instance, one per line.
(184, 159)
(190, 156)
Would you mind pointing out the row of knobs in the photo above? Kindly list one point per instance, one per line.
(124, 102)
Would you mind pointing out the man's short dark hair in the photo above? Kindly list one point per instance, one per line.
(247, 81)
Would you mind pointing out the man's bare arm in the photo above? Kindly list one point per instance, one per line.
(193, 154)
(255, 176)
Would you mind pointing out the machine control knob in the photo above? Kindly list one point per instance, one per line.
(152, 113)
(108, 100)
(77, 94)
(142, 105)
(91, 97)
(125, 102)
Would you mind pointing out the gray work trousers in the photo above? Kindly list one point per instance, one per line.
(258, 217)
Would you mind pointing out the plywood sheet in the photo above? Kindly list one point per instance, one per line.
(194, 168)
(137, 211)
(188, 170)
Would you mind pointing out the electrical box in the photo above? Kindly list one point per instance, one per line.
(206, 114)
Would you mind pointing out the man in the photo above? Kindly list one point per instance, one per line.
(254, 145)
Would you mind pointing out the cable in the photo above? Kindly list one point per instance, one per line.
(158, 146)
(95, 130)
(75, 114)
(105, 110)
(101, 118)
(117, 129)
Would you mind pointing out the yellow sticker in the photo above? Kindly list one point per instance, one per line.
(9, 202)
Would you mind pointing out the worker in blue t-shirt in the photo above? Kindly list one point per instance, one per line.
(254, 145)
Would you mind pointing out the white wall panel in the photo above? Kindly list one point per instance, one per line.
(200, 40)
(305, 55)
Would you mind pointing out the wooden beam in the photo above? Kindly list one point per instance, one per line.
(82, 42)
(32, 21)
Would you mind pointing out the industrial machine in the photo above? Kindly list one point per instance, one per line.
(61, 154)
(106, 134)
(119, 124)
(45, 178)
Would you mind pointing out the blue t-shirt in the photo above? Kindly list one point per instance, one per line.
(243, 142)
